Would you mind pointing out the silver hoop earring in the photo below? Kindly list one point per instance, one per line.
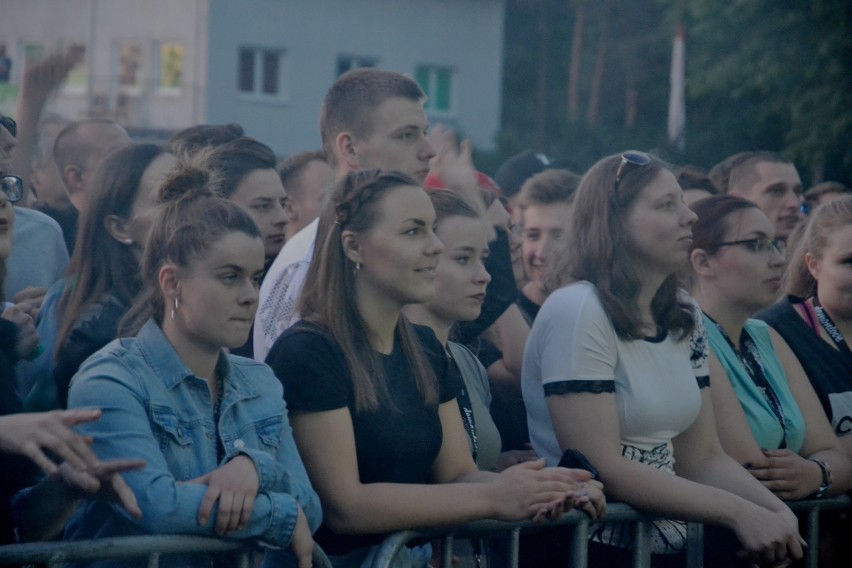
(176, 306)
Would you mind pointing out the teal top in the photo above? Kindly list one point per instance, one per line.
(764, 425)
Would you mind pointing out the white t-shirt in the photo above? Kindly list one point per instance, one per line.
(573, 347)
(281, 288)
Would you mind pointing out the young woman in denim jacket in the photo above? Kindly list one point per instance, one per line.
(212, 427)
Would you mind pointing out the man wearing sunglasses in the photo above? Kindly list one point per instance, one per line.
(769, 181)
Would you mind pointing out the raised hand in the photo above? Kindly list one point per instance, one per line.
(104, 481)
(32, 434)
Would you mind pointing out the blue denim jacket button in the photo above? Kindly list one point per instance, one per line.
(239, 444)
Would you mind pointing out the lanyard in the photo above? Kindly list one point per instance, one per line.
(750, 358)
(466, 408)
(830, 328)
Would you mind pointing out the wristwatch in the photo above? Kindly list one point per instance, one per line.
(826, 480)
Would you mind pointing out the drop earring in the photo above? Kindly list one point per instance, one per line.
(176, 306)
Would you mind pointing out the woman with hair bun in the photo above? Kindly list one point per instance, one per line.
(212, 427)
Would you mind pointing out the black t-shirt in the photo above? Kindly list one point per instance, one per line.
(392, 445)
(829, 370)
(529, 309)
(68, 217)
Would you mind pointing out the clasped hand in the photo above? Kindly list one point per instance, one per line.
(234, 487)
(787, 474)
(530, 490)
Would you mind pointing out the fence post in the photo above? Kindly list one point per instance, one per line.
(447, 552)
(694, 545)
(580, 545)
(642, 547)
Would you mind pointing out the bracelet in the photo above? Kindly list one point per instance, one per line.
(826, 480)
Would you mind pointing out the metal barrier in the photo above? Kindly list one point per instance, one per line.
(56, 554)
(579, 535)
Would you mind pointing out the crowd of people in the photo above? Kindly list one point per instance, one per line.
(200, 338)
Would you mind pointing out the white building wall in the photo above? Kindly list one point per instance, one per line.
(466, 35)
(103, 26)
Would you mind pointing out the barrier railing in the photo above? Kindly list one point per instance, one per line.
(56, 554)
(615, 512)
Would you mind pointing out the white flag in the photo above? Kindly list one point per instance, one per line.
(677, 96)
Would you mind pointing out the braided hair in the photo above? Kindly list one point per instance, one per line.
(328, 296)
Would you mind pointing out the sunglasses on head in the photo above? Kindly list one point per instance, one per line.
(629, 159)
(10, 125)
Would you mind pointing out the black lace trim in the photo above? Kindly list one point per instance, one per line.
(703, 382)
(574, 387)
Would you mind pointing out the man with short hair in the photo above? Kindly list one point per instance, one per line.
(306, 177)
(77, 151)
(545, 205)
(767, 180)
(370, 118)
(825, 192)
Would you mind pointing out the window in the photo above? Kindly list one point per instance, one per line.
(348, 62)
(437, 83)
(171, 67)
(130, 66)
(261, 72)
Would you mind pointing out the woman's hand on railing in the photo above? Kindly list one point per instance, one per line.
(769, 537)
(234, 486)
(787, 474)
(590, 498)
(531, 491)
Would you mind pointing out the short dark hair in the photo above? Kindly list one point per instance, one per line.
(234, 160)
(71, 149)
(200, 136)
(814, 193)
(738, 170)
(291, 167)
(691, 177)
(549, 186)
(351, 98)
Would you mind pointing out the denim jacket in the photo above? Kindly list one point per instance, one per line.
(155, 409)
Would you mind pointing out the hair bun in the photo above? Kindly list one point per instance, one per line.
(187, 182)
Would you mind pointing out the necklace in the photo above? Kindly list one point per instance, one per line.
(217, 407)
(830, 328)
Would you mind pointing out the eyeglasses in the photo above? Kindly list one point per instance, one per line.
(630, 158)
(12, 187)
(10, 125)
(760, 245)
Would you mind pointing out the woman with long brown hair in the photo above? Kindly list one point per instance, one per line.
(615, 373)
(373, 407)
